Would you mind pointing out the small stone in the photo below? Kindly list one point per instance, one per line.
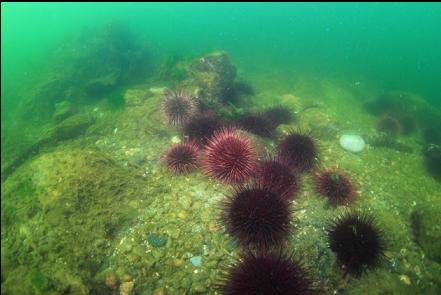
(196, 261)
(405, 279)
(112, 281)
(126, 288)
(178, 262)
(127, 278)
(156, 240)
(200, 288)
(175, 139)
(182, 215)
(212, 227)
(231, 245)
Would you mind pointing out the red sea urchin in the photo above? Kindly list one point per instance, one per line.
(357, 242)
(269, 274)
(229, 156)
(256, 217)
(336, 186)
(299, 150)
(275, 175)
(182, 157)
(178, 107)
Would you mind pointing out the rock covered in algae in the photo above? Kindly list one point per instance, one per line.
(212, 77)
(427, 230)
(63, 110)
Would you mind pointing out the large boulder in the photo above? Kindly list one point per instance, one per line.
(212, 77)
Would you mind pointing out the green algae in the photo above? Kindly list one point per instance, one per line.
(39, 281)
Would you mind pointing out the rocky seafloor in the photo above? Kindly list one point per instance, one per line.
(90, 208)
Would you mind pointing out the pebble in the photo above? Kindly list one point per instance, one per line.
(231, 245)
(196, 261)
(212, 227)
(405, 279)
(156, 240)
(112, 281)
(182, 214)
(351, 142)
(126, 288)
(127, 278)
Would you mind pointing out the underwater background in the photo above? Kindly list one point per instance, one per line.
(92, 204)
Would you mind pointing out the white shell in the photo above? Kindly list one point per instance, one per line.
(352, 143)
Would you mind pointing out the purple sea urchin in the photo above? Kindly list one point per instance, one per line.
(256, 123)
(275, 175)
(269, 274)
(201, 127)
(299, 150)
(257, 217)
(178, 107)
(357, 242)
(336, 186)
(278, 115)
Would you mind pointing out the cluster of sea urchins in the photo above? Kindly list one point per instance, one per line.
(258, 212)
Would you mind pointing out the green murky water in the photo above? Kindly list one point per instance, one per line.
(91, 204)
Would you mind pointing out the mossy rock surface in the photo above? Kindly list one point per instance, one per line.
(427, 230)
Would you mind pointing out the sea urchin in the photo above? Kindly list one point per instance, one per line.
(299, 150)
(258, 124)
(357, 242)
(275, 175)
(278, 115)
(269, 274)
(201, 127)
(256, 217)
(336, 186)
(177, 107)
(182, 157)
(229, 156)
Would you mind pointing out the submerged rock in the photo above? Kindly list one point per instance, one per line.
(212, 77)
(351, 142)
(71, 128)
(63, 110)
(427, 231)
(136, 97)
